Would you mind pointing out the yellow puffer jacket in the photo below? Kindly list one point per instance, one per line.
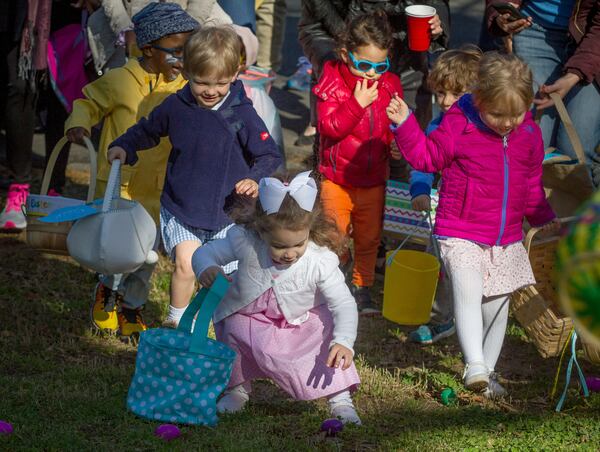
(121, 97)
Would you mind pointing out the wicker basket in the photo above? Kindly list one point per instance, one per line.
(52, 237)
(536, 307)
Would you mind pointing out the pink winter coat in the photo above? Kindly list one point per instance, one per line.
(489, 182)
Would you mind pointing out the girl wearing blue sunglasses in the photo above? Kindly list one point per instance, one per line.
(352, 95)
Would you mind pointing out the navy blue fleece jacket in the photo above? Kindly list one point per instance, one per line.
(211, 151)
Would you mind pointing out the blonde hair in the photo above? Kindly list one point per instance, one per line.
(505, 82)
(212, 50)
(455, 70)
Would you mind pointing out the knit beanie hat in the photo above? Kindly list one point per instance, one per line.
(159, 19)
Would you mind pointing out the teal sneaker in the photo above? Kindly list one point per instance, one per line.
(428, 334)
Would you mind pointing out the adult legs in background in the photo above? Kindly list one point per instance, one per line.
(270, 29)
(55, 123)
(545, 51)
(241, 12)
(18, 108)
(17, 111)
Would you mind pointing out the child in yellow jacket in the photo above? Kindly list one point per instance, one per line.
(119, 99)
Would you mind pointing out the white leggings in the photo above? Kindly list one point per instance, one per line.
(480, 321)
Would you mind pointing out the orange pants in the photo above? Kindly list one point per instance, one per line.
(358, 212)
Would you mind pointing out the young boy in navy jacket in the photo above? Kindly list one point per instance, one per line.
(219, 146)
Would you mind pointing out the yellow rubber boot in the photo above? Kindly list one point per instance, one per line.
(104, 309)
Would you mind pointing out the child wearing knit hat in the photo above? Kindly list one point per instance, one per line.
(118, 100)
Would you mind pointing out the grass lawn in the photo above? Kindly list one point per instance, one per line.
(64, 388)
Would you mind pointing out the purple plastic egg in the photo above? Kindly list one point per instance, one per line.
(593, 383)
(332, 427)
(167, 432)
(6, 428)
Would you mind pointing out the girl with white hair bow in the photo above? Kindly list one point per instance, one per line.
(288, 313)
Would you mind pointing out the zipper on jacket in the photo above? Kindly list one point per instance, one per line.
(333, 157)
(371, 126)
(505, 194)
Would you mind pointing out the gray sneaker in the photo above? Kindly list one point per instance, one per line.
(12, 217)
(365, 304)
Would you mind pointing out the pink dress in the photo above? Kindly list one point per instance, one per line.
(293, 356)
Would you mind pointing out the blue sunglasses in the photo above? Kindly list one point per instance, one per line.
(366, 65)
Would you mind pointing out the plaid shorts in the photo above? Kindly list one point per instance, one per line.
(173, 232)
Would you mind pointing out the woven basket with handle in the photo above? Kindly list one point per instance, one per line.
(536, 307)
(52, 237)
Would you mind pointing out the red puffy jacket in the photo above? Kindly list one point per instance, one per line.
(355, 141)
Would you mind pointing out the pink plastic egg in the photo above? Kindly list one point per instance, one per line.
(6, 428)
(167, 432)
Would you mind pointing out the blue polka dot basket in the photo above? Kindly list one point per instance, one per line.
(179, 374)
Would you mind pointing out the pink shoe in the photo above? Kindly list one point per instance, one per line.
(53, 192)
(12, 217)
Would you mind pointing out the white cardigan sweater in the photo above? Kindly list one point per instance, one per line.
(311, 281)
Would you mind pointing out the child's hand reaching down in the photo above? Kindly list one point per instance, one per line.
(247, 187)
(337, 354)
(116, 153)
(208, 276)
(397, 111)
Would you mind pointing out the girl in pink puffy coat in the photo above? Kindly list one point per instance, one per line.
(490, 152)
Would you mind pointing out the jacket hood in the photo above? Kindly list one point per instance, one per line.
(467, 106)
(237, 96)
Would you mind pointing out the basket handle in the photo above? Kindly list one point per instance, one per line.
(204, 303)
(113, 186)
(533, 231)
(52, 161)
(434, 244)
(570, 128)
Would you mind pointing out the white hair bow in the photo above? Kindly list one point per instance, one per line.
(302, 188)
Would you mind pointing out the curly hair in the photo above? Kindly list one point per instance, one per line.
(323, 230)
(455, 70)
(372, 28)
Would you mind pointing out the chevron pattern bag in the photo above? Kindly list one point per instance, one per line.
(399, 216)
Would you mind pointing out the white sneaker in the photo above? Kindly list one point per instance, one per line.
(345, 412)
(476, 377)
(494, 390)
(233, 401)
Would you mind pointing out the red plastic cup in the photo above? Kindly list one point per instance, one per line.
(419, 30)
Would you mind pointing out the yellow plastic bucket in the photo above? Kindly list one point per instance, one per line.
(411, 279)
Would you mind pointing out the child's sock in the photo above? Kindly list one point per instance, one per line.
(174, 315)
(467, 288)
(341, 406)
(233, 400)
(495, 317)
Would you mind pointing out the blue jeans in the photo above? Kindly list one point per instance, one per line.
(241, 12)
(546, 51)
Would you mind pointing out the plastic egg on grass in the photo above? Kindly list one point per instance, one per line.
(332, 427)
(6, 428)
(167, 432)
